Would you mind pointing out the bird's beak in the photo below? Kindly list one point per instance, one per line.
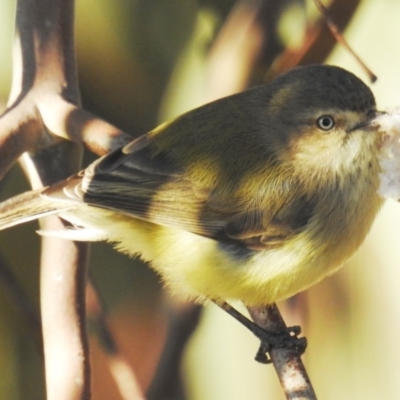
(371, 123)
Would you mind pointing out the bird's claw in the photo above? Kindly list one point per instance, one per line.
(283, 339)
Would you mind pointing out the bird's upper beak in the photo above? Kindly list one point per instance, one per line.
(371, 123)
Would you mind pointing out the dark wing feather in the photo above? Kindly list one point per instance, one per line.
(134, 181)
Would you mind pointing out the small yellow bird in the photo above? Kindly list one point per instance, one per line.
(253, 197)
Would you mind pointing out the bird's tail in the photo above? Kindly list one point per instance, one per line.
(27, 207)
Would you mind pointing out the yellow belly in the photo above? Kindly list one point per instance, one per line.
(199, 268)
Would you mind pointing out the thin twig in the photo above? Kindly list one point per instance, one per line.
(340, 39)
(287, 363)
(317, 42)
(268, 324)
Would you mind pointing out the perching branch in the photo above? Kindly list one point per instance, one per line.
(287, 363)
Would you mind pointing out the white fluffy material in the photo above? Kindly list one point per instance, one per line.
(389, 155)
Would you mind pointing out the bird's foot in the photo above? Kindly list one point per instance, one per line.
(282, 339)
(286, 338)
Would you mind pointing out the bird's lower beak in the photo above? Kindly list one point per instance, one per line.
(371, 123)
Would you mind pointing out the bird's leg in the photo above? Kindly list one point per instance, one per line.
(285, 338)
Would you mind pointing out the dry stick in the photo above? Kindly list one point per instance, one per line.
(63, 314)
(340, 39)
(318, 41)
(18, 133)
(285, 358)
(44, 65)
(43, 97)
(287, 363)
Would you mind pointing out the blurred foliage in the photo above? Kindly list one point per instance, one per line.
(141, 62)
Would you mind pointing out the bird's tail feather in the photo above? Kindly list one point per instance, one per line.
(27, 207)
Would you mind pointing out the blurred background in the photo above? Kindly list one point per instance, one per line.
(143, 62)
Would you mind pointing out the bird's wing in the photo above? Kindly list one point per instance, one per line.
(147, 186)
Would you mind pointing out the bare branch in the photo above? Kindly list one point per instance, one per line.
(70, 122)
(20, 130)
(318, 41)
(287, 363)
(63, 315)
(340, 39)
(44, 65)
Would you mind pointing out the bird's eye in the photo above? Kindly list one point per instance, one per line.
(325, 123)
